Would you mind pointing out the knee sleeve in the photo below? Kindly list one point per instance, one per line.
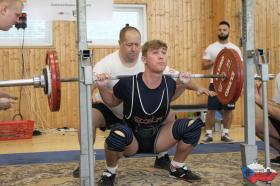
(187, 130)
(120, 137)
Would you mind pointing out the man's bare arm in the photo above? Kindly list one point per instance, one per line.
(108, 97)
(207, 64)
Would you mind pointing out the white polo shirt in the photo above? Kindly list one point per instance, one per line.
(212, 51)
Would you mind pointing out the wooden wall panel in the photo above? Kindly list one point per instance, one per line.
(181, 25)
(187, 26)
(267, 25)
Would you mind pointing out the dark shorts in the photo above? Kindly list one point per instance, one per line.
(108, 115)
(214, 103)
(276, 124)
(146, 138)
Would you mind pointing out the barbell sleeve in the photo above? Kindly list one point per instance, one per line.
(37, 81)
(16, 82)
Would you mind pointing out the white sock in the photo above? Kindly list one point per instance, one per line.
(209, 132)
(161, 154)
(177, 164)
(225, 131)
(113, 170)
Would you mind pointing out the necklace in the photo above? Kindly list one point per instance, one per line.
(166, 88)
(132, 99)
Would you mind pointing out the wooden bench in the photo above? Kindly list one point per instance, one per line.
(189, 108)
(202, 108)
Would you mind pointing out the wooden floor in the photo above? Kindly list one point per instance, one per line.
(53, 140)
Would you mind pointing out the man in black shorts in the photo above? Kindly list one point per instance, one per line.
(146, 101)
(274, 118)
(214, 105)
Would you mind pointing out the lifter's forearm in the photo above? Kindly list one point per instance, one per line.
(207, 64)
(179, 91)
(182, 87)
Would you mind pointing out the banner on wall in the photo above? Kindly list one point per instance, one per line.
(66, 9)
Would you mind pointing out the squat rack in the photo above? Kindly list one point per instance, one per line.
(249, 151)
(87, 156)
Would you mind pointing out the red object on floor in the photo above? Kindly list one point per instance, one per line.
(13, 130)
(262, 176)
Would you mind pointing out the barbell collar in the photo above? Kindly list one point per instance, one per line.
(39, 81)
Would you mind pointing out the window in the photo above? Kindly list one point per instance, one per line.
(37, 33)
(107, 32)
(102, 33)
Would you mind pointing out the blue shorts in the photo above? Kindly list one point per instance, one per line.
(215, 104)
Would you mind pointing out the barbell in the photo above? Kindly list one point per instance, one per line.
(227, 78)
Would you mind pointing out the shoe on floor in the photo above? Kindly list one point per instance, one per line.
(107, 179)
(162, 162)
(226, 138)
(208, 138)
(275, 161)
(76, 172)
(183, 173)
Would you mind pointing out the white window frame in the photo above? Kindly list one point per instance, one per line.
(113, 41)
(15, 37)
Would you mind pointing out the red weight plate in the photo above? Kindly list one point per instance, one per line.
(54, 97)
(241, 77)
(228, 62)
